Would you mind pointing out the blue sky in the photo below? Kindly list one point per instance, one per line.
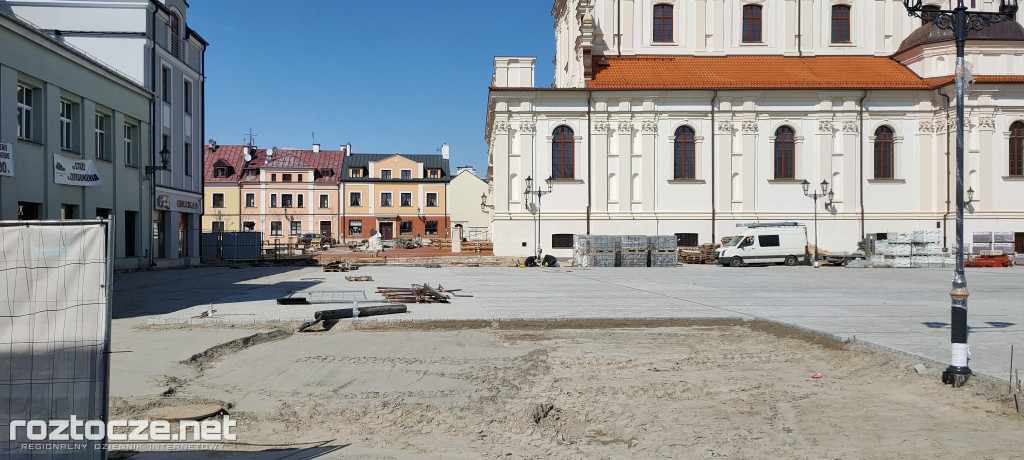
(389, 77)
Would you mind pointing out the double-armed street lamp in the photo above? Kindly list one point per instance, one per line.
(960, 22)
(814, 196)
(537, 192)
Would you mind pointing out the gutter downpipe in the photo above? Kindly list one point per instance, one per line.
(590, 169)
(945, 216)
(618, 30)
(860, 109)
(714, 98)
(799, 33)
(152, 135)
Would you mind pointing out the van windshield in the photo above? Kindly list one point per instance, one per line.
(734, 241)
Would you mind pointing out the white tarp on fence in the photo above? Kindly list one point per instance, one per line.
(54, 321)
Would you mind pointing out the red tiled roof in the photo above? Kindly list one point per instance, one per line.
(231, 155)
(754, 72)
(324, 161)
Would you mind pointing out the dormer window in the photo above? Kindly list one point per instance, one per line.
(434, 173)
(355, 172)
(220, 171)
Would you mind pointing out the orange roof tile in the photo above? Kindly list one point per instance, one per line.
(754, 72)
(936, 82)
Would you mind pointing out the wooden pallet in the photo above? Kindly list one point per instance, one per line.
(359, 278)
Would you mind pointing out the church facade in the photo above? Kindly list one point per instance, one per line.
(688, 117)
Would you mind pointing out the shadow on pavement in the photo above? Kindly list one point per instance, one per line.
(269, 454)
(160, 292)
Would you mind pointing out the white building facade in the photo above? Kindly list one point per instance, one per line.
(688, 117)
(149, 42)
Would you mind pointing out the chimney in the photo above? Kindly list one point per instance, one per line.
(348, 148)
(444, 151)
(316, 148)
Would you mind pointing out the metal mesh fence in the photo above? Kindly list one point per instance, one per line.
(54, 333)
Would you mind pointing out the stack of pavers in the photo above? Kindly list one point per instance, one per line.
(663, 251)
(604, 250)
(633, 251)
(581, 251)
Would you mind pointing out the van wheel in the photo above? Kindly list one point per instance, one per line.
(736, 262)
(791, 261)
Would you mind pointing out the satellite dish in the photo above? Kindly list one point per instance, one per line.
(273, 149)
(248, 157)
(213, 143)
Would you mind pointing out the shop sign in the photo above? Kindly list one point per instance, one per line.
(178, 203)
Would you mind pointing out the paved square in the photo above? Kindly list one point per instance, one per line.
(907, 310)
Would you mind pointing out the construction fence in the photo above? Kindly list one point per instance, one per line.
(54, 332)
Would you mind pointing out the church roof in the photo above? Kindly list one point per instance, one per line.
(931, 33)
(753, 72)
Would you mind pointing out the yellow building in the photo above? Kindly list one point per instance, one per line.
(399, 196)
(222, 205)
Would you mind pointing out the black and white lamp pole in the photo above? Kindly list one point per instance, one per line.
(814, 196)
(960, 21)
(538, 192)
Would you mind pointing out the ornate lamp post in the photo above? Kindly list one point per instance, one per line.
(814, 196)
(538, 192)
(960, 22)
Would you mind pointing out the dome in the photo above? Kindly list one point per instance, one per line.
(931, 33)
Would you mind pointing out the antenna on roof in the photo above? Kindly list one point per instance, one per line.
(251, 135)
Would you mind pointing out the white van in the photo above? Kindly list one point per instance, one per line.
(781, 242)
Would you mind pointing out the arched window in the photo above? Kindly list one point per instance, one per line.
(173, 24)
(785, 153)
(684, 166)
(883, 153)
(562, 154)
(662, 23)
(840, 24)
(1016, 148)
(751, 24)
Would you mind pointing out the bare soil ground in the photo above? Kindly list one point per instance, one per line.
(588, 389)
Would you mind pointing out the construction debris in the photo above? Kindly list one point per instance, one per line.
(703, 254)
(330, 317)
(340, 266)
(359, 278)
(418, 293)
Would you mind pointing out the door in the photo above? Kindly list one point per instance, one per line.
(325, 228)
(1018, 242)
(386, 229)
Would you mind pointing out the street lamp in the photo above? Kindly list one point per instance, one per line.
(538, 192)
(814, 196)
(960, 22)
(483, 203)
(165, 157)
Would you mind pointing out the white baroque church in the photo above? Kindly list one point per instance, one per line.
(688, 117)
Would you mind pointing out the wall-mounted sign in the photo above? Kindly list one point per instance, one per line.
(75, 172)
(6, 160)
(177, 202)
